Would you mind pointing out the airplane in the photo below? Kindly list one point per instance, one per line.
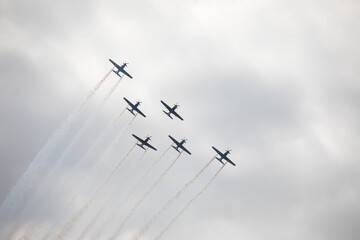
(223, 156)
(120, 69)
(144, 142)
(134, 107)
(179, 145)
(171, 110)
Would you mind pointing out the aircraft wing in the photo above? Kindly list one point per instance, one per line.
(229, 161)
(124, 72)
(173, 139)
(149, 146)
(167, 106)
(218, 152)
(177, 115)
(183, 148)
(140, 112)
(139, 139)
(128, 102)
(115, 64)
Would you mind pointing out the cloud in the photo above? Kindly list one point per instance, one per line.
(275, 81)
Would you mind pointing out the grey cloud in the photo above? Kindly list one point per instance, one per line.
(276, 82)
(42, 19)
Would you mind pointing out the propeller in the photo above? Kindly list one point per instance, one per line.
(228, 150)
(139, 101)
(177, 104)
(185, 139)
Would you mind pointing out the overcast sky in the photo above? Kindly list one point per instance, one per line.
(276, 81)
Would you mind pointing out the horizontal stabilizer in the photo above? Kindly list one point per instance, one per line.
(140, 145)
(116, 72)
(167, 113)
(220, 160)
(176, 148)
(130, 110)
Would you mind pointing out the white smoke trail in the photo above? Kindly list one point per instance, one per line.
(189, 203)
(98, 142)
(39, 163)
(31, 229)
(95, 89)
(106, 202)
(28, 233)
(46, 180)
(113, 89)
(75, 140)
(31, 207)
(114, 236)
(119, 205)
(171, 201)
(90, 176)
(70, 225)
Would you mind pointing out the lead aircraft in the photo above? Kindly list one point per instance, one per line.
(179, 144)
(172, 110)
(144, 142)
(134, 107)
(120, 68)
(223, 156)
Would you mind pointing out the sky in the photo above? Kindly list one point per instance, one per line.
(275, 81)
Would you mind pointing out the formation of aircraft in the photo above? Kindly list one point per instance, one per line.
(179, 145)
(144, 142)
(120, 68)
(171, 110)
(223, 156)
(134, 107)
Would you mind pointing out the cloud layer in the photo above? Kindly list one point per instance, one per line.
(276, 81)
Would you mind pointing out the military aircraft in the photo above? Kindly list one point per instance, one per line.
(179, 145)
(171, 110)
(134, 107)
(223, 156)
(120, 68)
(144, 142)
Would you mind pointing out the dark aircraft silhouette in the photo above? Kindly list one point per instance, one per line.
(134, 107)
(120, 69)
(223, 156)
(179, 145)
(171, 110)
(144, 142)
